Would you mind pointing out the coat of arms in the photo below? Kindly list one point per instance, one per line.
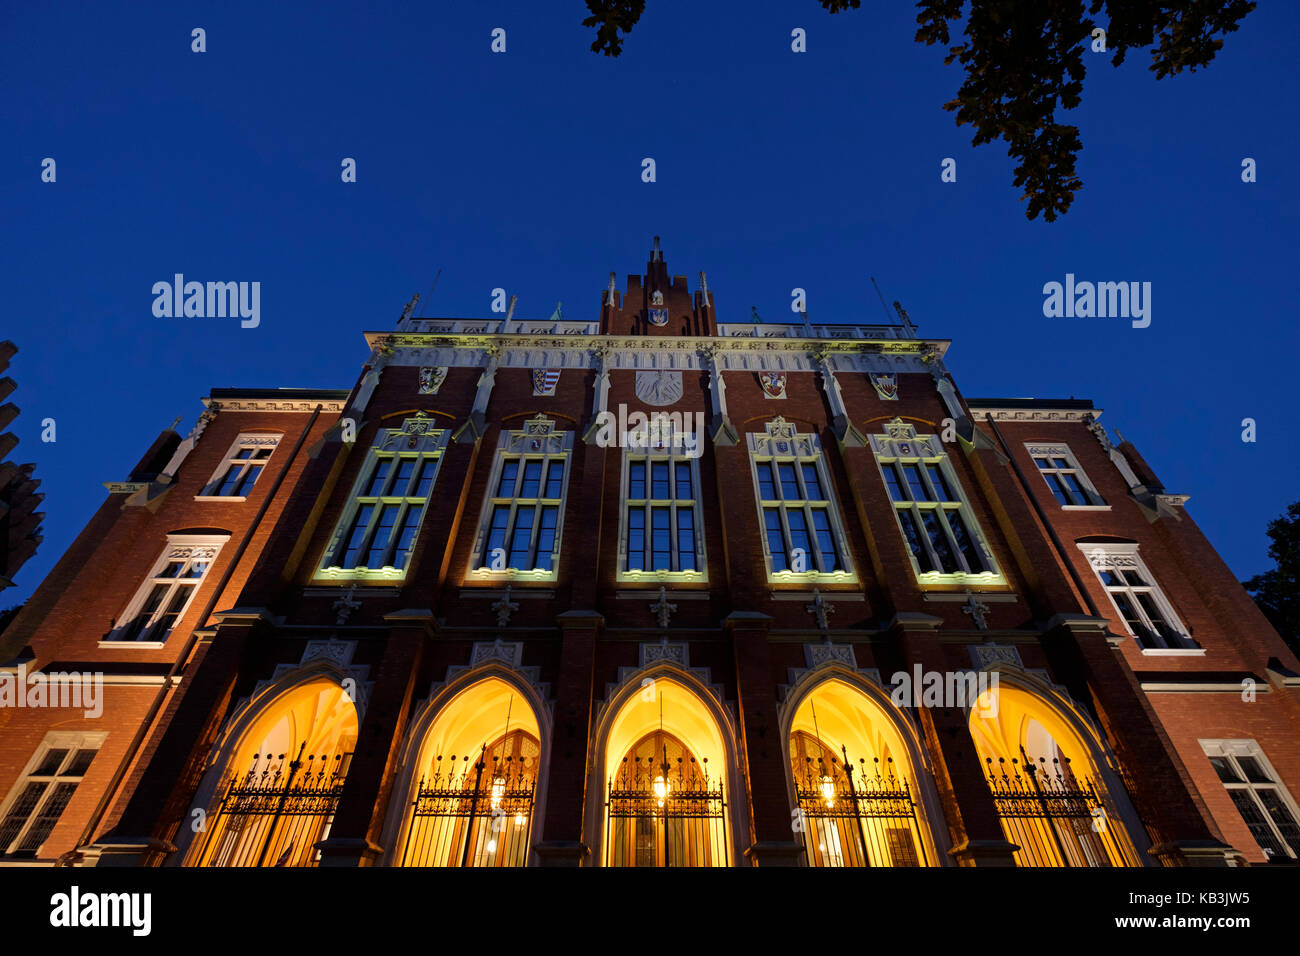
(545, 380)
(431, 379)
(773, 384)
(886, 384)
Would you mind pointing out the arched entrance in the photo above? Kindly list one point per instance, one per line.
(1048, 780)
(854, 782)
(471, 802)
(665, 769)
(279, 789)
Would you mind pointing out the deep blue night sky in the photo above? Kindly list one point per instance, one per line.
(522, 170)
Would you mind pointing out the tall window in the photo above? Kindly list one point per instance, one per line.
(520, 532)
(1142, 606)
(169, 588)
(377, 533)
(942, 535)
(802, 533)
(40, 797)
(662, 534)
(1260, 798)
(240, 469)
(1066, 480)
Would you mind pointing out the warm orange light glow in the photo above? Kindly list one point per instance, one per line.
(828, 791)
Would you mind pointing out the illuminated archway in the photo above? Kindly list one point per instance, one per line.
(473, 775)
(854, 766)
(280, 779)
(665, 777)
(1048, 775)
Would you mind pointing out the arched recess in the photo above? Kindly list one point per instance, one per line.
(638, 814)
(886, 812)
(1055, 787)
(273, 783)
(471, 783)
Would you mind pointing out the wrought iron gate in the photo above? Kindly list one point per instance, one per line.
(276, 813)
(869, 820)
(665, 815)
(479, 816)
(1055, 818)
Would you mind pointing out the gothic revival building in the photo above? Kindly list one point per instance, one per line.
(655, 589)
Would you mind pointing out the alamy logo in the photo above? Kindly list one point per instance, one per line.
(922, 688)
(212, 300)
(1104, 300)
(74, 908)
(56, 689)
(656, 432)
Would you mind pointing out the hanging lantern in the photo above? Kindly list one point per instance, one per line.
(828, 791)
(661, 790)
(498, 791)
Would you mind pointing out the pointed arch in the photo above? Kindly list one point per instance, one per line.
(471, 781)
(696, 720)
(886, 811)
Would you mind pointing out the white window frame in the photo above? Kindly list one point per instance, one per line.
(1118, 556)
(254, 440)
(899, 444)
(186, 548)
(537, 439)
(72, 741)
(669, 448)
(1061, 451)
(781, 442)
(1234, 749)
(416, 438)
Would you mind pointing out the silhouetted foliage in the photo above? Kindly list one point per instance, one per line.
(1277, 592)
(1023, 60)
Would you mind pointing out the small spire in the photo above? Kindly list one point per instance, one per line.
(613, 278)
(510, 311)
(656, 255)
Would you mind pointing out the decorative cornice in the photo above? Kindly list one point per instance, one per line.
(274, 405)
(1046, 414)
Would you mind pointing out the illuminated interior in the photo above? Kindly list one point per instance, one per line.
(665, 817)
(473, 792)
(855, 782)
(1060, 814)
(298, 748)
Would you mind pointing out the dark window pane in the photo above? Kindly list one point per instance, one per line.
(825, 539)
(249, 479)
(1223, 767)
(51, 763)
(546, 537)
(636, 539)
(789, 483)
(80, 763)
(377, 555)
(659, 480)
(775, 539)
(636, 481)
(939, 541)
(172, 570)
(532, 478)
(1058, 490)
(228, 480)
(685, 539)
(47, 817)
(965, 544)
(919, 491)
(913, 535)
(1077, 495)
(554, 479)
(799, 540)
(766, 484)
(427, 467)
(661, 540)
(1281, 817)
(1042, 462)
(896, 491)
(401, 483)
(683, 489)
(509, 473)
(406, 536)
(940, 483)
(378, 478)
(17, 816)
(521, 540)
(1258, 824)
(496, 536)
(811, 483)
(1060, 463)
(1253, 770)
